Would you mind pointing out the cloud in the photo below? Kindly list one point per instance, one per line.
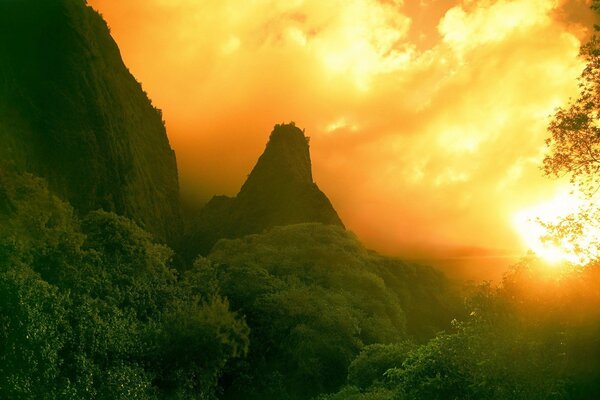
(474, 24)
(427, 119)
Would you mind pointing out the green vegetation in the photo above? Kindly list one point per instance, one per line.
(91, 308)
(533, 337)
(313, 296)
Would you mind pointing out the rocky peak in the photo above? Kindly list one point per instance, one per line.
(279, 191)
(285, 161)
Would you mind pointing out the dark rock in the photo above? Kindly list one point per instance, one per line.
(279, 191)
(72, 113)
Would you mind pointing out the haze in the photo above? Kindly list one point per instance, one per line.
(427, 119)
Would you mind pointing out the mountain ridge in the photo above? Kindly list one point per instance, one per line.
(72, 113)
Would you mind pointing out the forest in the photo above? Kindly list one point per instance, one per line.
(265, 295)
(92, 307)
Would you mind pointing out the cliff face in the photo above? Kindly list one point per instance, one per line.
(71, 112)
(279, 191)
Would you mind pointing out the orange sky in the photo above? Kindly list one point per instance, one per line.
(427, 118)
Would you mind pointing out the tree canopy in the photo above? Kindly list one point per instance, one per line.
(573, 150)
(91, 308)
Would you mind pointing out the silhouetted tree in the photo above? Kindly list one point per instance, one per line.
(574, 151)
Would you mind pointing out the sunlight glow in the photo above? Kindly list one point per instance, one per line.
(530, 225)
(411, 129)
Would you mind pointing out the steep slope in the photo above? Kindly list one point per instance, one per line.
(71, 112)
(279, 191)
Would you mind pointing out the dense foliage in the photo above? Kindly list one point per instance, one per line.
(313, 297)
(536, 336)
(90, 308)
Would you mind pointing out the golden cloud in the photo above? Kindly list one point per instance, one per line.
(427, 119)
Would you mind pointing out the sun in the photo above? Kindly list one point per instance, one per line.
(529, 223)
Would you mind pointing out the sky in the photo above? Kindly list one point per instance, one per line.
(427, 118)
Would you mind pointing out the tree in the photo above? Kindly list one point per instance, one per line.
(574, 145)
(90, 307)
(33, 331)
(369, 367)
(574, 151)
(313, 297)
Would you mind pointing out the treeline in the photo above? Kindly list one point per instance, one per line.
(313, 297)
(535, 336)
(92, 307)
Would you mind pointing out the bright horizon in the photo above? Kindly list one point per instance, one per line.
(427, 119)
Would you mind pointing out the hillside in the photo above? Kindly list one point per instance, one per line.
(72, 113)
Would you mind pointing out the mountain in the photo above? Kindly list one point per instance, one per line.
(279, 191)
(72, 113)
